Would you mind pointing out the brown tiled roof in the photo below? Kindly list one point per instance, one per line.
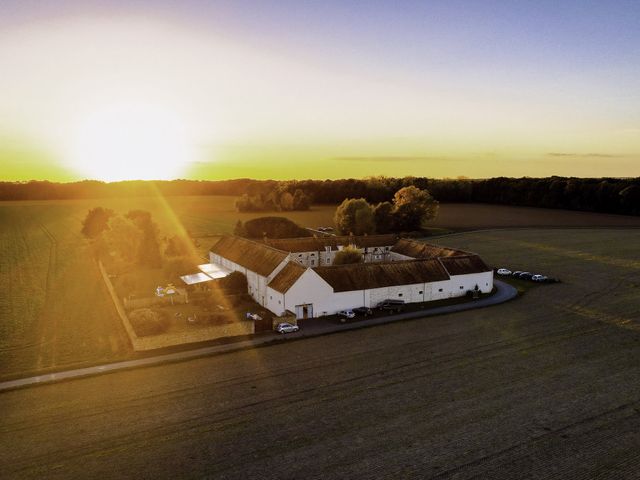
(312, 244)
(286, 277)
(464, 264)
(414, 249)
(254, 256)
(362, 276)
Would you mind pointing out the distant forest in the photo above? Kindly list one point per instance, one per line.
(607, 195)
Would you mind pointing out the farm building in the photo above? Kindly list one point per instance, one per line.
(297, 275)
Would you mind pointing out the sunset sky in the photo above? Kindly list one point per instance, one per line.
(309, 89)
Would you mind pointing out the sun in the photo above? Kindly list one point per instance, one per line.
(130, 142)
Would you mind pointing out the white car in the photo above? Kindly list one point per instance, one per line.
(285, 327)
(504, 271)
(539, 278)
(347, 313)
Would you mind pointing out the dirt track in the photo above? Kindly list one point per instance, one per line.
(547, 386)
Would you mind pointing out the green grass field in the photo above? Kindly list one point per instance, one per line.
(55, 312)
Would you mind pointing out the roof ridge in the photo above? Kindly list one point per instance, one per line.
(256, 242)
(389, 262)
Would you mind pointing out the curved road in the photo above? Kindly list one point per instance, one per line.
(504, 292)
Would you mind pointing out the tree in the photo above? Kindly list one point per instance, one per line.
(239, 229)
(354, 215)
(286, 202)
(123, 239)
(412, 207)
(383, 217)
(300, 200)
(631, 199)
(177, 246)
(175, 267)
(96, 222)
(347, 255)
(149, 247)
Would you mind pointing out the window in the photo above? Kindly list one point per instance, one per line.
(439, 289)
(461, 287)
(399, 294)
(420, 292)
(300, 255)
(270, 297)
(279, 302)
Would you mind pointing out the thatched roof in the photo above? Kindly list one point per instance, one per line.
(363, 276)
(313, 244)
(286, 277)
(414, 249)
(464, 264)
(254, 256)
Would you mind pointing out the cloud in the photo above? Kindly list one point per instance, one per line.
(583, 155)
(629, 131)
(383, 158)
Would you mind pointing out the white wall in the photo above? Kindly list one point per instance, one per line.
(408, 293)
(275, 302)
(310, 288)
(484, 280)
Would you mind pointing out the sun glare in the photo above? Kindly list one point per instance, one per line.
(130, 143)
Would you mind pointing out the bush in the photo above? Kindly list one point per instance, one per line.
(148, 322)
(347, 256)
(235, 282)
(274, 227)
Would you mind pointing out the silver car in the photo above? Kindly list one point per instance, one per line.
(285, 327)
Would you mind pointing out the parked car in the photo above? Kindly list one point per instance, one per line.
(504, 271)
(539, 278)
(364, 311)
(285, 327)
(254, 316)
(516, 274)
(346, 314)
(391, 305)
(321, 229)
(525, 276)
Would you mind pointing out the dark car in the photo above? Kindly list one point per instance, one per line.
(526, 276)
(517, 273)
(364, 311)
(391, 305)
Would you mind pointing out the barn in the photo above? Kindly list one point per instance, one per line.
(297, 275)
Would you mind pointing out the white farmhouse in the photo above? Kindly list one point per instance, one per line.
(296, 275)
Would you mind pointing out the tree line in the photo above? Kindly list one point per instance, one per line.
(274, 198)
(606, 195)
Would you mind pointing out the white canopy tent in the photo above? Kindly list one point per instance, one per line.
(208, 272)
(195, 278)
(213, 270)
